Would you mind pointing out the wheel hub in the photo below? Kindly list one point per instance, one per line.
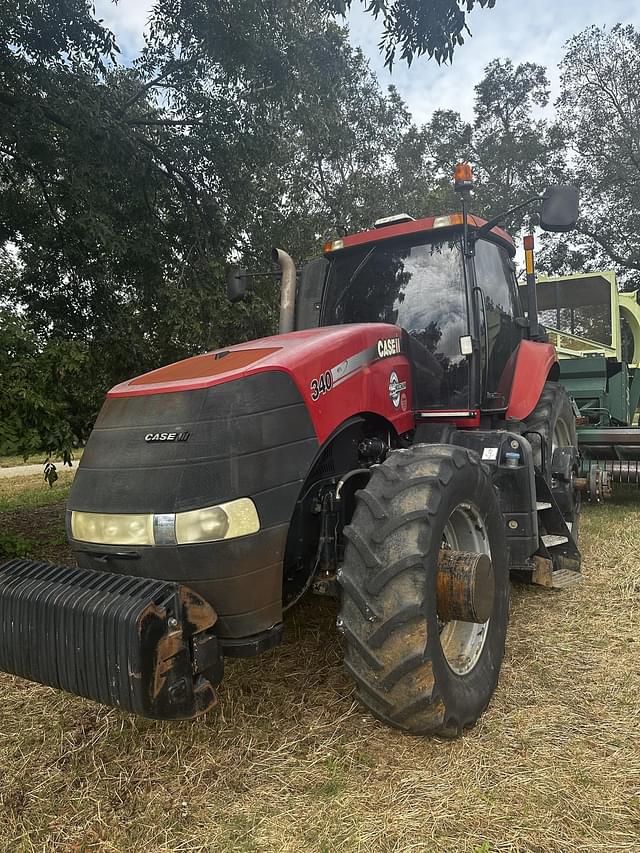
(465, 588)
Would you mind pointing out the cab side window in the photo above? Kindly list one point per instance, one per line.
(495, 276)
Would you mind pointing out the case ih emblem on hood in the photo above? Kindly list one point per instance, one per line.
(395, 388)
(388, 346)
(167, 436)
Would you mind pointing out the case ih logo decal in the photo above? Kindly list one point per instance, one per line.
(384, 348)
(167, 436)
(388, 346)
(396, 388)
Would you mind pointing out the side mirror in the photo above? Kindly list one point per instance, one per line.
(237, 282)
(559, 208)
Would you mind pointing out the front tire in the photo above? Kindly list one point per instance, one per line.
(411, 670)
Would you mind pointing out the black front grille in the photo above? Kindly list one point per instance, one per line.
(247, 438)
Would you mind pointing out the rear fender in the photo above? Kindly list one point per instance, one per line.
(535, 364)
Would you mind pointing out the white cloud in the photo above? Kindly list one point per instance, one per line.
(127, 19)
(522, 31)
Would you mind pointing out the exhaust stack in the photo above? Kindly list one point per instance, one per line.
(288, 290)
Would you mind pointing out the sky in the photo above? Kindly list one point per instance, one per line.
(522, 30)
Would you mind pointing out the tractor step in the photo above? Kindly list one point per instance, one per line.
(552, 539)
(544, 574)
(540, 505)
(562, 578)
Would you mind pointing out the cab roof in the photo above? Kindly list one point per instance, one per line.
(419, 226)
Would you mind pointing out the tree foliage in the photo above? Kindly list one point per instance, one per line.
(513, 153)
(416, 27)
(599, 121)
(125, 191)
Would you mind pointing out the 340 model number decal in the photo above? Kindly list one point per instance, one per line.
(322, 385)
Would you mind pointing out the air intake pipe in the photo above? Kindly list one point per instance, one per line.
(287, 290)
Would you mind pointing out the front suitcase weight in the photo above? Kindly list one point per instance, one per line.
(142, 645)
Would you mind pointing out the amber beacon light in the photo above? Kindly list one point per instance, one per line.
(463, 177)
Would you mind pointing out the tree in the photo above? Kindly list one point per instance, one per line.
(513, 154)
(599, 118)
(416, 27)
(124, 192)
(34, 415)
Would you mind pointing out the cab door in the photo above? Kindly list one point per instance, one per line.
(500, 332)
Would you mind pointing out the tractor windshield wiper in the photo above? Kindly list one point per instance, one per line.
(354, 276)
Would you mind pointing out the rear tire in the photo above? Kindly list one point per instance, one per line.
(554, 423)
(410, 670)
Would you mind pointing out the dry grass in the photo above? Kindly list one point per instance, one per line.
(287, 762)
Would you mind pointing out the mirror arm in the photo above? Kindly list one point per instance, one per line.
(484, 229)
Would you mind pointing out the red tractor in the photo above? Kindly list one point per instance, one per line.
(402, 444)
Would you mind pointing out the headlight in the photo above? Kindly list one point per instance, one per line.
(225, 521)
(112, 529)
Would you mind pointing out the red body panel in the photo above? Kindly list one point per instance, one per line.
(403, 229)
(533, 363)
(368, 373)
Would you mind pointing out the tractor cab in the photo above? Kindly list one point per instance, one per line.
(461, 317)
(449, 283)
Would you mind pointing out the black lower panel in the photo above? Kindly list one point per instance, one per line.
(241, 578)
(248, 438)
(142, 645)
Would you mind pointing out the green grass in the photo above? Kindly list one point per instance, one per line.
(12, 461)
(30, 492)
(15, 545)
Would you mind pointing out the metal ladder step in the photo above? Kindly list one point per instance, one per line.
(563, 578)
(551, 540)
(542, 505)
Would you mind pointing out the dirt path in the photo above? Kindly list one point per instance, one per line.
(30, 470)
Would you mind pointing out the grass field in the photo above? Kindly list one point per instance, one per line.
(288, 762)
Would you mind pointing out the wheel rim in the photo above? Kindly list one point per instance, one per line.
(561, 435)
(462, 642)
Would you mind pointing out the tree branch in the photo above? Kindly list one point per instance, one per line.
(608, 248)
(167, 122)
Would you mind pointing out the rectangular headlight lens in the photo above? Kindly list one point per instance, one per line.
(225, 521)
(113, 529)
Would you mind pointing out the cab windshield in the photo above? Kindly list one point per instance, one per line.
(418, 286)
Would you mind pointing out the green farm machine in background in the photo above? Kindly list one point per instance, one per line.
(596, 331)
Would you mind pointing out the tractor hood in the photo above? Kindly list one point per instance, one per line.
(318, 361)
(287, 352)
(238, 421)
(246, 423)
